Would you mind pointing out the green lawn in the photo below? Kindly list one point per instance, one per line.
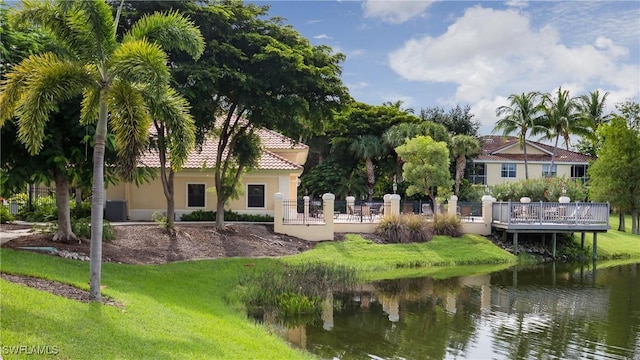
(616, 244)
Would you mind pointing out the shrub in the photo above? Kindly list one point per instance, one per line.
(82, 228)
(405, 229)
(82, 211)
(5, 215)
(160, 219)
(542, 189)
(448, 225)
(202, 215)
(294, 304)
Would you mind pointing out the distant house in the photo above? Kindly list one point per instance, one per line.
(502, 160)
(278, 170)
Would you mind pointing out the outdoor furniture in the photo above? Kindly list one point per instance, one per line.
(426, 210)
(465, 212)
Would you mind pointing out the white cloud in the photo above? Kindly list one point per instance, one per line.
(490, 54)
(517, 3)
(322, 36)
(394, 11)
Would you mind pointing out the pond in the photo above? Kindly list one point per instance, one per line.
(557, 311)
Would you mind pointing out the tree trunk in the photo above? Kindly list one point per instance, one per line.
(64, 233)
(371, 178)
(526, 159)
(553, 156)
(171, 202)
(634, 222)
(220, 213)
(97, 199)
(621, 225)
(78, 194)
(461, 163)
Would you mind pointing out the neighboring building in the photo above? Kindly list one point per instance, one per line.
(279, 168)
(502, 160)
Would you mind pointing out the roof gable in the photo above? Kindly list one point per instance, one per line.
(500, 149)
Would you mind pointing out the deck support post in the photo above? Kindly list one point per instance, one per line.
(515, 243)
(553, 244)
(595, 246)
(582, 234)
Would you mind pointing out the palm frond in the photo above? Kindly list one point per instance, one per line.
(141, 62)
(171, 30)
(92, 22)
(173, 111)
(130, 122)
(50, 80)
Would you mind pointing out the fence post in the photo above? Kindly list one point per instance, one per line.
(278, 213)
(387, 204)
(487, 210)
(453, 205)
(327, 209)
(395, 204)
(306, 209)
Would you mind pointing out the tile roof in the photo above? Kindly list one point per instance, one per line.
(206, 155)
(492, 145)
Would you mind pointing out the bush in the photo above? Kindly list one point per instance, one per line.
(208, 215)
(82, 211)
(542, 189)
(82, 228)
(5, 215)
(448, 225)
(405, 229)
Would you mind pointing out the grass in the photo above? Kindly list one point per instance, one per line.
(442, 251)
(175, 311)
(615, 244)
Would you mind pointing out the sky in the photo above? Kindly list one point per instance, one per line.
(476, 53)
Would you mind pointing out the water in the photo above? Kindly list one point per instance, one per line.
(543, 312)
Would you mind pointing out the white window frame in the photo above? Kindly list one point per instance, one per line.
(188, 206)
(264, 197)
(508, 170)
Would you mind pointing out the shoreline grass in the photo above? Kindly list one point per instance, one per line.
(615, 244)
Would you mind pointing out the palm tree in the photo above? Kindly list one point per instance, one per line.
(592, 107)
(368, 147)
(118, 81)
(561, 119)
(461, 147)
(520, 117)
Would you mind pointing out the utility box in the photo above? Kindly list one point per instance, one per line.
(116, 210)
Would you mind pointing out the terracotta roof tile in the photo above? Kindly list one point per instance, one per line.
(206, 155)
(492, 145)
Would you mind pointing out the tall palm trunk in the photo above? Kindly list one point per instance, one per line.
(169, 192)
(64, 232)
(526, 158)
(371, 178)
(97, 200)
(553, 156)
(461, 164)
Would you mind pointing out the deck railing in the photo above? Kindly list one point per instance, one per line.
(578, 213)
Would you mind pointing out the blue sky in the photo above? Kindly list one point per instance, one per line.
(476, 53)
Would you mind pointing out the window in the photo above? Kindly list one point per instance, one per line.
(508, 171)
(579, 173)
(478, 174)
(255, 196)
(545, 170)
(195, 195)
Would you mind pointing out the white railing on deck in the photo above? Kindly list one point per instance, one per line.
(573, 213)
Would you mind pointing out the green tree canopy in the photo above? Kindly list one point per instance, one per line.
(426, 166)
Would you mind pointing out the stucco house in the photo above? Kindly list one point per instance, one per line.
(278, 170)
(502, 160)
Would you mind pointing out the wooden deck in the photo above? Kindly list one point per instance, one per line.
(550, 217)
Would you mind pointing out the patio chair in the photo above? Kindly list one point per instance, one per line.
(353, 212)
(426, 210)
(465, 212)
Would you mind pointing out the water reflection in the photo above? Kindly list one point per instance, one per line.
(552, 311)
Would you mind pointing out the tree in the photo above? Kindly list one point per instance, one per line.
(520, 117)
(615, 175)
(561, 119)
(592, 109)
(463, 146)
(426, 166)
(118, 81)
(630, 110)
(458, 120)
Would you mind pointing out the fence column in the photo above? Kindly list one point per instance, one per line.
(453, 205)
(277, 212)
(327, 209)
(395, 204)
(306, 208)
(387, 204)
(487, 210)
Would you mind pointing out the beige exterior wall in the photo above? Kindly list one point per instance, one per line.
(144, 200)
(494, 172)
(531, 150)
